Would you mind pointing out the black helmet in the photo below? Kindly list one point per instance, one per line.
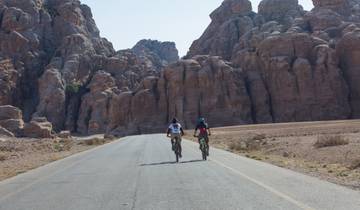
(174, 120)
(201, 120)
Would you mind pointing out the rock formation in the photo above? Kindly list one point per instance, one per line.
(298, 65)
(278, 65)
(51, 51)
(12, 124)
(38, 128)
(11, 120)
(156, 54)
(204, 85)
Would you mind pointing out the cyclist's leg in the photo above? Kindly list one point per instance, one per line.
(199, 137)
(207, 143)
(180, 147)
(172, 142)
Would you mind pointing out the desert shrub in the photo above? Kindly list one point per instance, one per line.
(94, 141)
(245, 145)
(3, 157)
(259, 137)
(330, 141)
(63, 145)
(236, 146)
(9, 146)
(72, 88)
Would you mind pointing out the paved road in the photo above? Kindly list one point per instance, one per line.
(139, 173)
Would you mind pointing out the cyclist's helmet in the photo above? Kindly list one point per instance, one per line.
(174, 120)
(201, 120)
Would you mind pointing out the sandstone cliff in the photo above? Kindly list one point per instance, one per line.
(278, 65)
(298, 65)
(51, 53)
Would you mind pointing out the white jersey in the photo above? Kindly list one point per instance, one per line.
(175, 128)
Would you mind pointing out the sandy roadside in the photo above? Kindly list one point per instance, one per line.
(302, 147)
(20, 155)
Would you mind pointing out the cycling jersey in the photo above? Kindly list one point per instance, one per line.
(202, 127)
(175, 128)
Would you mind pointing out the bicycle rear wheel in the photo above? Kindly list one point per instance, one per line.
(204, 154)
(177, 150)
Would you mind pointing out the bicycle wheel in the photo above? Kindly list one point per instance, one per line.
(177, 148)
(204, 154)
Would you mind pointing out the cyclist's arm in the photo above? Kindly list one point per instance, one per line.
(168, 131)
(182, 131)
(196, 128)
(208, 130)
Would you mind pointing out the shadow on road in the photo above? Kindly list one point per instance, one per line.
(171, 162)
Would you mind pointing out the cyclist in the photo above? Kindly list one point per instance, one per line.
(175, 131)
(204, 131)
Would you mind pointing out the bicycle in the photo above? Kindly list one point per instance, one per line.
(177, 148)
(203, 147)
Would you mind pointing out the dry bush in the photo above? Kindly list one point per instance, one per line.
(9, 146)
(94, 141)
(259, 137)
(67, 144)
(236, 146)
(63, 145)
(355, 164)
(247, 145)
(330, 141)
(3, 157)
(110, 137)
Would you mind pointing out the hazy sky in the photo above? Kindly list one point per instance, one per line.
(125, 22)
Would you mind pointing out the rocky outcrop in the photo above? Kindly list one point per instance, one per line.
(93, 116)
(339, 6)
(278, 65)
(38, 128)
(51, 50)
(229, 22)
(9, 81)
(202, 86)
(297, 65)
(5, 133)
(12, 124)
(11, 119)
(155, 54)
(280, 10)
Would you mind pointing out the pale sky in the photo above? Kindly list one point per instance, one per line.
(125, 22)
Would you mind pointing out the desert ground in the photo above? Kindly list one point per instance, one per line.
(20, 155)
(329, 150)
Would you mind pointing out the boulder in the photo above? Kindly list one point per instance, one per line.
(38, 128)
(11, 119)
(10, 112)
(339, 6)
(156, 54)
(279, 10)
(64, 135)
(5, 133)
(13, 125)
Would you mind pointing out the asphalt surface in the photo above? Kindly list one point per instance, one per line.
(139, 173)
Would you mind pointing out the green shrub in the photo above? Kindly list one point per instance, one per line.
(73, 88)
